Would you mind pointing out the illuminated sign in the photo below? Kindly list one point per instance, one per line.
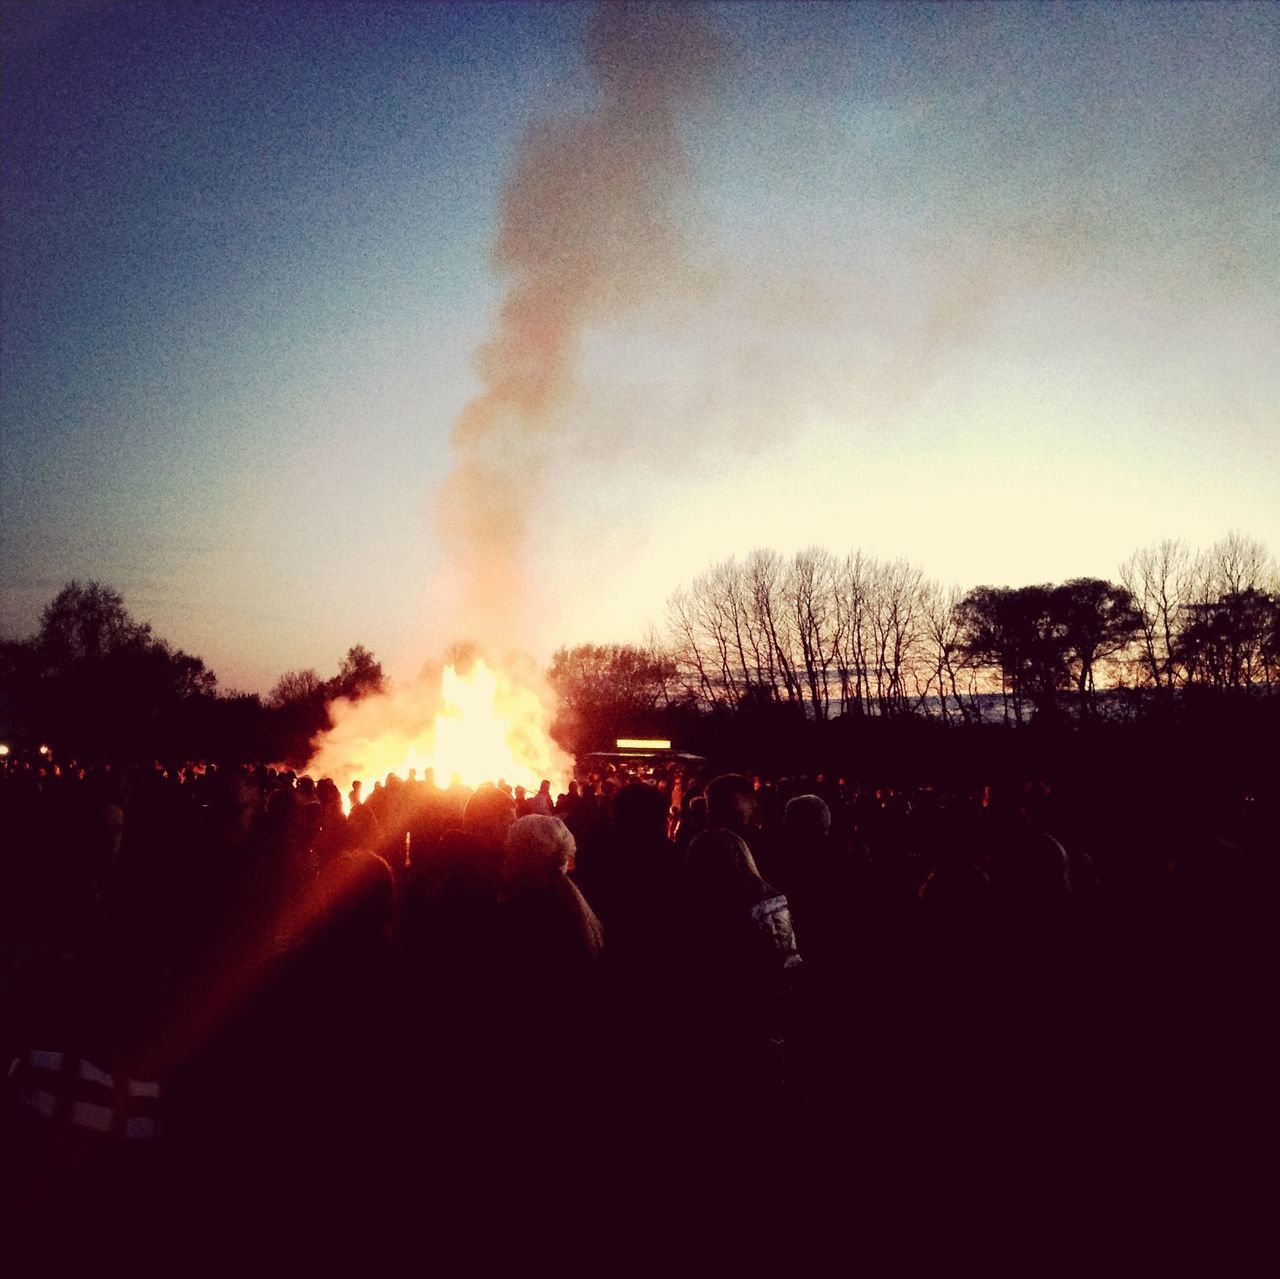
(642, 744)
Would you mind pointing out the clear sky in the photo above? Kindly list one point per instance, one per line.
(994, 288)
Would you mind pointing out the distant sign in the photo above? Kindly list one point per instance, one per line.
(642, 744)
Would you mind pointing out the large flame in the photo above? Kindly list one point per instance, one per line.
(474, 726)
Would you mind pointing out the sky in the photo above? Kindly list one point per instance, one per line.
(392, 324)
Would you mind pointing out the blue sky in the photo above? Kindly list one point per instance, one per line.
(991, 287)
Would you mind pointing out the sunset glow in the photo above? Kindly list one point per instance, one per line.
(346, 324)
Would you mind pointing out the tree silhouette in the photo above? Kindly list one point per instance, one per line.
(607, 689)
(1231, 642)
(97, 682)
(299, 701)
(83, 623)
(299, 711)
(1095, 620)
(1014, 629)
(296, 688)
(360, 674)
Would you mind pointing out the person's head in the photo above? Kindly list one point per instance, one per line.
(732, 804)
(488, 814)
(328, 795)
(640, 812)
(807, 817)
(538, 849)
(1029, 869)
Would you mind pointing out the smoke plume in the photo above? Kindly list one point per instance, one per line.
(589, 229)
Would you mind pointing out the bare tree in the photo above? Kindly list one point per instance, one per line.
(1225, 623)
(852, 597)
(733, 597)
(1161, 580)
(947, 667)
(662, 659)
(896, 615)
(810, 595)
(769, 624)
(686, 648)
(716, 602)
(1234, 565)
(733, 632)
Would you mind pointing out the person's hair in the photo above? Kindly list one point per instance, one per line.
(537, 849)
(488, 813)
(1032, 868)
(640, 810)
(328, 794)
(732, 803)
(807, 816)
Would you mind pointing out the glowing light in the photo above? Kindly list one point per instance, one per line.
(4, 750)
(480, 726)
(44, 750)
(642, 744)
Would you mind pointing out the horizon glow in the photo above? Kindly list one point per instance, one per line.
(994, 288)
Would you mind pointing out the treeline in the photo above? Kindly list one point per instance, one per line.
(761, 647)
(758, 653)
(100, 685)
(855, 635)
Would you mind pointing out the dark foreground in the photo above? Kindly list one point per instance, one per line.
(1025, 1036)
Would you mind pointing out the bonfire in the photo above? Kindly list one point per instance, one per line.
(468, 723)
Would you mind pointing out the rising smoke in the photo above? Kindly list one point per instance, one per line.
(590, 229)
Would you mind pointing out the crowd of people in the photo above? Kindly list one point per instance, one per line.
(659, 1022)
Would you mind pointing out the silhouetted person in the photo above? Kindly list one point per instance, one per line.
(741, 953)
(554, 935)
(454, 939)
(733, 805)
(552, 1042)
(332, 837)
(541, 801)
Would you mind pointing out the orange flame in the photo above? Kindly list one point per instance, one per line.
(483, 725)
